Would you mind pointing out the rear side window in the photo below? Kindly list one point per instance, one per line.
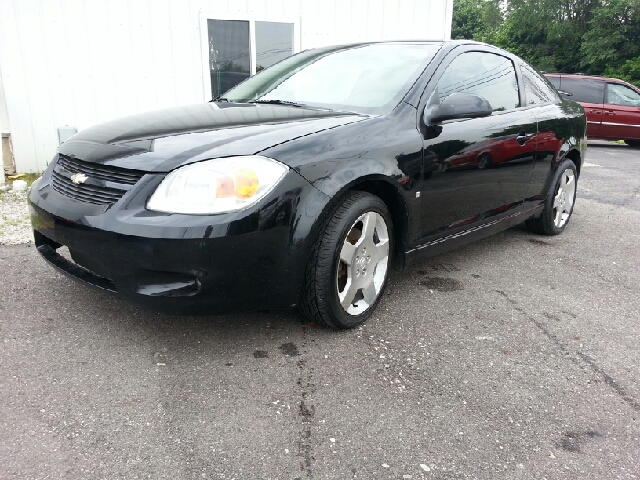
(485, 74)
(618, 94)
(583, 89)
(536, 89)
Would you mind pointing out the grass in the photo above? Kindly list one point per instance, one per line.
(14, 222)
(27, 177)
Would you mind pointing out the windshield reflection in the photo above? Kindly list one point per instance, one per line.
(369, 79)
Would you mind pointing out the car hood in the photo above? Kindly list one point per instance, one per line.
(160, 141)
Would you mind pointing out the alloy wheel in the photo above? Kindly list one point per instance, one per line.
(364, 259)
(563, 201)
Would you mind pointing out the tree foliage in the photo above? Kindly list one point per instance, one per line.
(599, 37)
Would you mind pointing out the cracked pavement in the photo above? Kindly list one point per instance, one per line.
(512, 358)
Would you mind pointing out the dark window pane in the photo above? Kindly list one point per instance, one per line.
(536, 89)
(485, 74)
(583, 89)
(555, 81)
(274, 42)
(618, 94)
(229, 54)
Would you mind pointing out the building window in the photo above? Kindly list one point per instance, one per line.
(236, 48)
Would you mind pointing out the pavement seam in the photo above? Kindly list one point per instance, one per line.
(581, 359)
(306, 410)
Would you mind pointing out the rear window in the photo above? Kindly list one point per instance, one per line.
(536, 89)
(584, 90)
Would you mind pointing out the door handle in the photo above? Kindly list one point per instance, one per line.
(595, 111)
(523, 137)
(609, 112)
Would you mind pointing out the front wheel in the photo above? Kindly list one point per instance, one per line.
(558, 204)
(633, 143)
(350, 262)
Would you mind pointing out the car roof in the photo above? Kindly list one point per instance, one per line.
(447, 45)
(588, 77)
(416, 41)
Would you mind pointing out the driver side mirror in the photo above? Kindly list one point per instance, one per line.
(457, 105)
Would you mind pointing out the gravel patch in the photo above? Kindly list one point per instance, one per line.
(15, 227)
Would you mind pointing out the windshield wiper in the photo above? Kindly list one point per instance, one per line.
(288, 104)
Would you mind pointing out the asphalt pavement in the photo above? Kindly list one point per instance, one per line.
(512, 358)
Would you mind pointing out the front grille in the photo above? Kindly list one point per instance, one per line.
(86, 193)
(95, 189)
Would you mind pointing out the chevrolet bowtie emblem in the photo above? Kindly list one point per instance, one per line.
(78, 178)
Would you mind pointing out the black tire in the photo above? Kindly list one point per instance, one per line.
(633, 143)
(484, 161)
(319, 299)
(546, 223)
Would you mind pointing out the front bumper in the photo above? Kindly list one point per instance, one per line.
(181, 264)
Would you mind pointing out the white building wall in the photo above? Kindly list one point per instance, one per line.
(81, 62)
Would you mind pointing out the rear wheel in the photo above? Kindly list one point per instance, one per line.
(558, 204)
(633, 143)
(484, 161)
(350, 262)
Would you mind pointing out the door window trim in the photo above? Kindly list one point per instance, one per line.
(252, 19)
(449, 58)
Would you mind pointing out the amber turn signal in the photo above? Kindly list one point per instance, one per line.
(246, 183)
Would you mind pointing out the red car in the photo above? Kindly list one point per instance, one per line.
(612, 105)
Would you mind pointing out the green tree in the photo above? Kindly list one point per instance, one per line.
(629, 71)
(547, 33)
(590, 36)
(476, 20)
(612, 43)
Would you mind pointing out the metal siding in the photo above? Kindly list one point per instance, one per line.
(81, 62)
(142, 71)
(78, 75)
(390, 22)
(4, 116)
(12, 70)
(375, 18)
(437, 9)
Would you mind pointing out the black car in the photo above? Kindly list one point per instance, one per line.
(306, 183)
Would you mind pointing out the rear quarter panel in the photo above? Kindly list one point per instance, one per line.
(562, 131)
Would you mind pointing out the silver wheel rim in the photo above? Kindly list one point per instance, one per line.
(364, 259)
(563, 201)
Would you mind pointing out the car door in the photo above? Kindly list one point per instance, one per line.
(621, 118)
(476, 169)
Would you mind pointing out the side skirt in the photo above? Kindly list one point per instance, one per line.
(450, 242)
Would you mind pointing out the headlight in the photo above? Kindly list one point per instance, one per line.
(217, 186)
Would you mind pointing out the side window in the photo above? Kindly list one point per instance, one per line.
(486, 74)
(583, 89)
(618, 94)
(536, 89)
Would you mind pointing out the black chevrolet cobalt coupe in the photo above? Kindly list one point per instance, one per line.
(305, 184)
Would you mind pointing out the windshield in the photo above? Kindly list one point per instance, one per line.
(366, 79)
